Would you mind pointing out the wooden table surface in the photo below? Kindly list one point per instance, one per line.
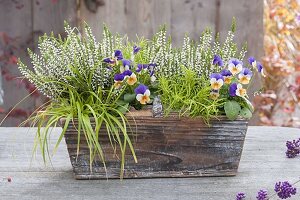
(263, 163)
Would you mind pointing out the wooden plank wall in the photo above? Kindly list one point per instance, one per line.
(26, 20)
(131, 17)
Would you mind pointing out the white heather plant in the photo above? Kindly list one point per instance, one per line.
(98, 82)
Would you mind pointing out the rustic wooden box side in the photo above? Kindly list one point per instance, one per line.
(166, 147)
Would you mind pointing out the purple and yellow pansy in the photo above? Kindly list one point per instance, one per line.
(136, 49)
(256, 65)
(236, 89)
(126, 65)
(235, 66)
(140, 67)
(142, 94)
(117, 55)
(216, 81)
(118, 78)
(214, 94)
(130, 77)
(245, 76)
(218, 61)
(227, 75)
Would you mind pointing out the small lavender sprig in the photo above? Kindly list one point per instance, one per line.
(284, 189)
(293, 148)
(262, 195)
(240, 196)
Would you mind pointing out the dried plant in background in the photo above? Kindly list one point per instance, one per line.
(279, 103)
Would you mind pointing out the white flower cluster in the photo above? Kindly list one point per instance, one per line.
(197, 56)
(69, 62)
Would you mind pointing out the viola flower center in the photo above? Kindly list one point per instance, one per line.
(241, 92)
(145, 99)
(244, 80)
(234, 70)
(216, 84)
(131, 80)
(118, 84)
(214, 95)
(227, 79)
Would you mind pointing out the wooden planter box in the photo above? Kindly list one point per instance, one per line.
(166, 147)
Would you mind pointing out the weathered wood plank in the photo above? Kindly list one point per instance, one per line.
(96, 19)
(15, 20)
(60, 184)
(49, 17)
(165, 147)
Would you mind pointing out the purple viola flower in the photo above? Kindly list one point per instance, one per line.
(232, 89)
(235, 66)
(218, 60)
(262, 195)
(118, 54)
(108, 60)
(130, 77)
(151, 73)
(240, 196)
(216, 81)
(127, 73)
(126, 62)
(245, 76)
(284, 190)
(214, 94)
(142, 94)
(260, 69)
(293, 148)
(246, 72)
(151, 66)
(114, 60)
(216, 76)
(140, 67)
(136, 49)
(226, 72)
(252, 61)
(119, 77)
(256, 65)
(227, 75)
(141, 89)
(126, 65)
(236, 89)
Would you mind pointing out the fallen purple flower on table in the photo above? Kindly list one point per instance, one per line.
(293, 148)
(240, 196)
(284, 190)
(262, 195)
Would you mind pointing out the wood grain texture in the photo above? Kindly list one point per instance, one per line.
(262, 164)
(15, 20)
(165, 147)
(27, 20)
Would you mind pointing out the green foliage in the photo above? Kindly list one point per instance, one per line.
(246, 113)
(88, 108)
(129, 97)
(189, 95)
(232, 109)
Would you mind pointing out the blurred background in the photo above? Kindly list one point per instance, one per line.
(270, 27)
